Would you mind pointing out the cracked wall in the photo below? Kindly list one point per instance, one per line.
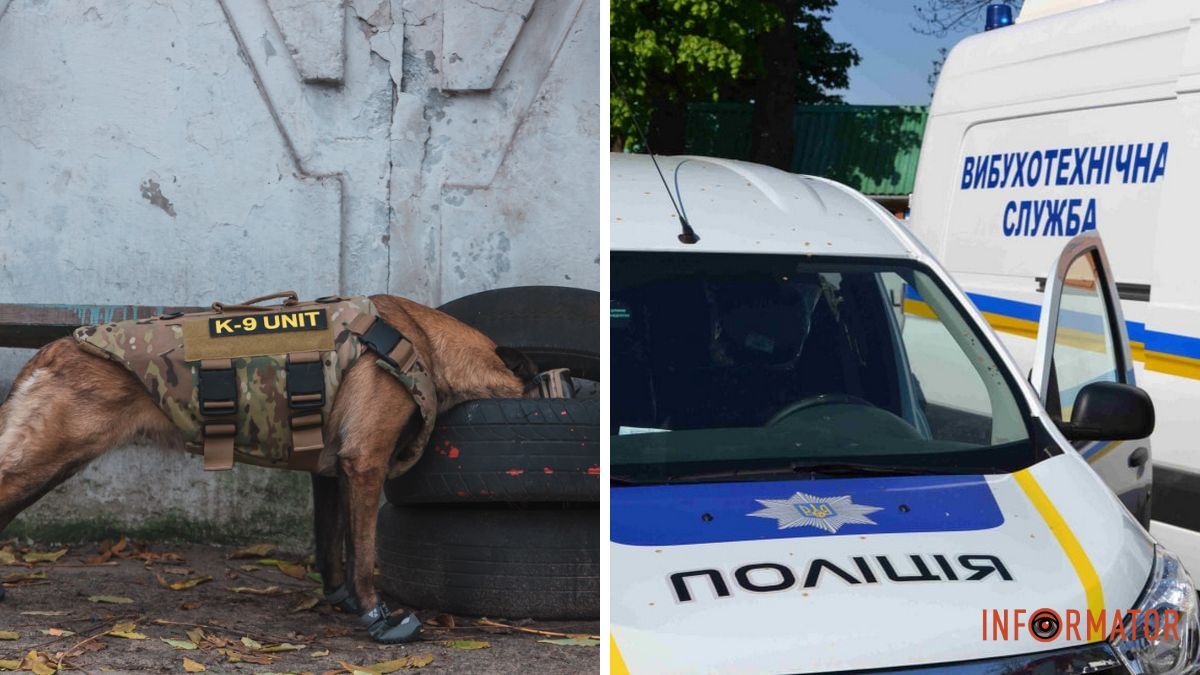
(179, 153)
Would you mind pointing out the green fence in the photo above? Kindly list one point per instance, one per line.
(873, 149)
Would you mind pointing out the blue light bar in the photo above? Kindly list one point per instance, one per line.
(998, 16)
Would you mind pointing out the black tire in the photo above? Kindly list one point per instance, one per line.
(557, 327)
(508, 450)
(541, 563)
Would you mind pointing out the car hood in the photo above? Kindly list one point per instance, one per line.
(839, 574)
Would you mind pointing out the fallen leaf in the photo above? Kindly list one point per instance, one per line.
(119, 546)
(235, 656)
(196, 635)
(284, 647)
(414, 661)
(306, 604)
(466, 644)
(315, 576)
(37, 662)
(188, 583)
(257, 551)
(24, 577)
(250, 568)
(269, 590)
(272, 562)
(33, 557)
(251, 643)
(7, 558)
(36, 613)
(10, 664)
(126, 630)
(179, 644)
(446, 620)
(193, 666)
(573, 642)
(57, 632)
(191, 604)
(293, 570)
(178, 571)
(9, 635)
(110, 599)
(319, 653)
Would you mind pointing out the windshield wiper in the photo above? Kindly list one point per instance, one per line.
(823, 469)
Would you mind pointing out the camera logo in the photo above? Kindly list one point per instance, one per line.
(1045, 625)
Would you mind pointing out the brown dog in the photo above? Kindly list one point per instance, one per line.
(68, 407)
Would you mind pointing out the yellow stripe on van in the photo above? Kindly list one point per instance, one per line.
(1070, 545)
(616, 664)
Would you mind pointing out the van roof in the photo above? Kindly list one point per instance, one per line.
(739, 207)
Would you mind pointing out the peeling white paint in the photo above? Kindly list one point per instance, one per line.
(180, 153)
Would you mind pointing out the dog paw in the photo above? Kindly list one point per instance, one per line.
(344, 600)
(403, 627)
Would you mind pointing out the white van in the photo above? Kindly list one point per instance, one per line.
(823, 459)
(1084, 116)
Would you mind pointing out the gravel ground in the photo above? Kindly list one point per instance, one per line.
(237, 629)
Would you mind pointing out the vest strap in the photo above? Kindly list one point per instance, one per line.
(387, 342)
(218, 445)
(217, 392)
(306, 398)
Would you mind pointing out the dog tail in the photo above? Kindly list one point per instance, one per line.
(521, 365)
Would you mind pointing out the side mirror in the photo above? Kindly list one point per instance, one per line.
(1110, 411)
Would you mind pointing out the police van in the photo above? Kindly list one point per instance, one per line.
(824, 459)
(1083, 117)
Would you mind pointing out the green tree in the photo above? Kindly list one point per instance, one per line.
(775, 53)
(665, 53)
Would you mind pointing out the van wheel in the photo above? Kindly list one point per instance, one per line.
(508, 450)
(499, 562)
(556, 326)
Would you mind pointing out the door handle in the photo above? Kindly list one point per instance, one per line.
(1139, 457)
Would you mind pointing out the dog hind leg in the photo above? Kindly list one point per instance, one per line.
(66, 408)
(329, 534)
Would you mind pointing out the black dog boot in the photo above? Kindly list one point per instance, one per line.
(342, 599)
(1, 591)
(390, 629)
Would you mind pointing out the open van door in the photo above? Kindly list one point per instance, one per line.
(1082, 340)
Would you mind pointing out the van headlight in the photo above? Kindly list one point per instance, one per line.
(1170, 590)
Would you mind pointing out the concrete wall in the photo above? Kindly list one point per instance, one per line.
(159, 152)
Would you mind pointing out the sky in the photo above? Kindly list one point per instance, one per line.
(896, 60)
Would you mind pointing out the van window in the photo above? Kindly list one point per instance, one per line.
(1083, 343)
(722, 361)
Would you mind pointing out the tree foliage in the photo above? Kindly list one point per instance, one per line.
(666, 53)
(674, 51)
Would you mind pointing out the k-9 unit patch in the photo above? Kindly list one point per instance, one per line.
(271, 322)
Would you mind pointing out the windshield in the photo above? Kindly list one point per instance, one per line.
(730, 366)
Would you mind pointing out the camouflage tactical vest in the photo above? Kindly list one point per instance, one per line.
(257, 382)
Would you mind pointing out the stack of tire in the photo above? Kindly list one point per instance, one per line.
(501, 516)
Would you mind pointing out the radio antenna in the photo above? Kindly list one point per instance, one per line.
(687, 235)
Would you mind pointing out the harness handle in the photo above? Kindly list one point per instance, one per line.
(289, 298)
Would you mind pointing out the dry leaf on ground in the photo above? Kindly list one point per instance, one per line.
(573, 642)
(466, 644)
(110, 599)
(127, 631)
(52, 556)
(193, 666)
(414, 661)
(179, 644)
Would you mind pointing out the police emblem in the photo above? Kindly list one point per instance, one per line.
(824, 513)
